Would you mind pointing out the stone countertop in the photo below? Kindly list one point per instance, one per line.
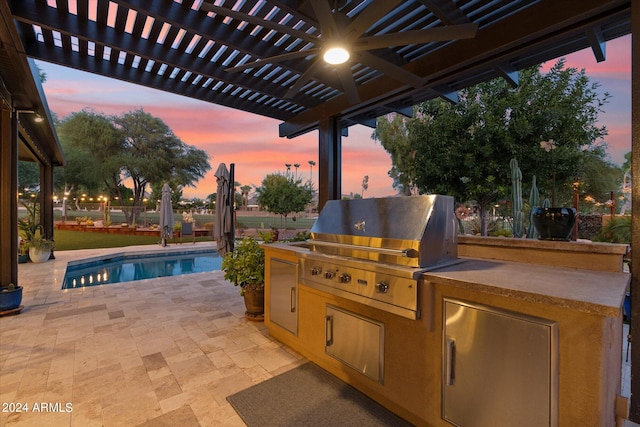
(595, 292)
(584, 246)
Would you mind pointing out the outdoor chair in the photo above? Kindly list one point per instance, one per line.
(187, 230)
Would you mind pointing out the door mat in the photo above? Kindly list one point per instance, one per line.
(309, 396)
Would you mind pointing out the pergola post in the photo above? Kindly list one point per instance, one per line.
(634, 414)
(8, 197)
(46, 201)
(329, 161)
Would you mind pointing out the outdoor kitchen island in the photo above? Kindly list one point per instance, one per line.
(575, 313)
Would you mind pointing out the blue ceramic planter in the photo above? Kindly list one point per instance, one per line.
(10, 299)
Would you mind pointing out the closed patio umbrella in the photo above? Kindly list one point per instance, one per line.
(166, 215)
(223, 229)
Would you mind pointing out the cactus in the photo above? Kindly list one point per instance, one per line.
(516, 199)
(534, 201)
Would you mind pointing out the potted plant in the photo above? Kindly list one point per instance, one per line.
(28, 228)
(23, 252)
(10, 297)
(244, 267)
(39, 249)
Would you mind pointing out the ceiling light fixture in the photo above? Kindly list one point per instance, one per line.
(336, 55)
(38, 118)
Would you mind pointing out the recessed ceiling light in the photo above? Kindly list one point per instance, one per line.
(336, 55)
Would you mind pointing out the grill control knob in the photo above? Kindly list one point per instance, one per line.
(329, 274)
(344, 278)
(382, 287)
(316, 271)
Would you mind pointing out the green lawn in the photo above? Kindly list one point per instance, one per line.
(71, 240)
(241, 220)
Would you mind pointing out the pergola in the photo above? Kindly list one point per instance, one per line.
(208, 50)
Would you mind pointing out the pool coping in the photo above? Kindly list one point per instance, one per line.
(62, 262)
(52, 291)
(132, 254)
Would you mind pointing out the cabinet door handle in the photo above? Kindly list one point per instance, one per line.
(328, 330)
(292, 298)
(450, 372)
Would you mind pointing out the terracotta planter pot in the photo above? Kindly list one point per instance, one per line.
(554, 223)
(254, 300)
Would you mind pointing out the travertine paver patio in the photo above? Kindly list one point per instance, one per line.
(155, 352)
(164, 351)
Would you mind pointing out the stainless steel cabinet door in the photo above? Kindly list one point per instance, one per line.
(356, 341)
(283, 309)
(499, 367)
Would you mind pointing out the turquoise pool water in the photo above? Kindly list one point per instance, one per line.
(120, 268)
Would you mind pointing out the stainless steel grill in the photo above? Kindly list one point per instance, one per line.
(373, 250)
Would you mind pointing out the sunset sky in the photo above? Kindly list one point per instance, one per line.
(251, 142)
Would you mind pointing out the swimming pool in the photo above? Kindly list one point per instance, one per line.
(118, 268)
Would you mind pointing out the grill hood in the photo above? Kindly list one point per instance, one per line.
(415, 231)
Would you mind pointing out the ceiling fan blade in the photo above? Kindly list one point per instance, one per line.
(303, 80)
(391, 70)
(369, 16)
(208, 7)
(278, 58)
(348, 83)
(328, 27)
(451, 32)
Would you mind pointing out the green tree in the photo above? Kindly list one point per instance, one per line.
(110, 152)
(392, 130)
(28, 175)
(600, 176)
(626, 166)
(283, 194)
(153, 153)
(92, 149)
(464, 149)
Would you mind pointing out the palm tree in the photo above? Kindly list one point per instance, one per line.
(245, 194)
(296, 165)
(311, 165)
(365, 184)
